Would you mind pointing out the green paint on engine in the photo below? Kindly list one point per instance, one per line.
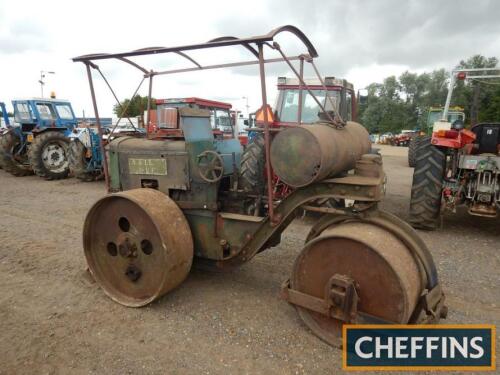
(114, 171)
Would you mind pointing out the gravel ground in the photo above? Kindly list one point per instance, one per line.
(55, 320)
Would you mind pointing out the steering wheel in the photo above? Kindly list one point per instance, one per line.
(210, 166)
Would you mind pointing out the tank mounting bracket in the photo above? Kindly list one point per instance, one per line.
(340, 301)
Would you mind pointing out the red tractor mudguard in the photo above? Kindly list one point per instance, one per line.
(453, 138)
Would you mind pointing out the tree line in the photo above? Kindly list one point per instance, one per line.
(402, 102)
(133, 107)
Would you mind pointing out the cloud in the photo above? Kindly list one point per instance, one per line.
(417, 34)
(22, 36)
(361, 40)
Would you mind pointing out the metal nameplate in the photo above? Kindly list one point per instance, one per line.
(156, 167)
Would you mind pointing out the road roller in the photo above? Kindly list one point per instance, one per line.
(177, 204)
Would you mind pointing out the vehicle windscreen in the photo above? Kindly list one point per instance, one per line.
(64, 111)
(452, 116)
(223, 121)
(310, 109)
(22, 112)
(46, 111)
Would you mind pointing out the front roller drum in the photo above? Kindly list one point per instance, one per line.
(354, 272)
(138, 245)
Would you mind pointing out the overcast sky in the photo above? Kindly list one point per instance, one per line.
(363, 41)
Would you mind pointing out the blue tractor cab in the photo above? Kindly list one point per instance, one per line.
(39, 141)
(37, 115)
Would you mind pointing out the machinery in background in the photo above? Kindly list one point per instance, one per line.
(296, 104)
(456, 166)
(221, 118)
(335, 95)
(4, 124)
(85, 154)
(38, 142)
(4, 120)
(434, 114)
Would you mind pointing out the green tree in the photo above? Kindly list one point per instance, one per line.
(477, 96)
(403, 102)
(134, 107)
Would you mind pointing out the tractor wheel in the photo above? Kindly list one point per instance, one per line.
(78, 162)
(412, 150)
(1, 158)
(9, 144)
(376, 257)
(253, 166)
(48, 155)
(1, 152)
(428, 175)
(138, 245)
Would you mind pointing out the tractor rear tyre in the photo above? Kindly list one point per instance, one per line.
(48, 155)
(9, 144)
(1, 152)
(78, 162)
(252, 166)
(1, 158)
(412, 150)
(428, 175)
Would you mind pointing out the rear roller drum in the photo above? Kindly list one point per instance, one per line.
(138, 245)
(358, 272)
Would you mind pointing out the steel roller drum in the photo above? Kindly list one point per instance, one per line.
(138, 245)
(388, 280)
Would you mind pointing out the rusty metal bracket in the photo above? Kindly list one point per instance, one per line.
(344, 293)
(341, 293)
(307, 301)
(430, 308)
(340, 300)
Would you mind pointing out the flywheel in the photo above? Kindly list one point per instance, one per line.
(138, 245)
(361, 266)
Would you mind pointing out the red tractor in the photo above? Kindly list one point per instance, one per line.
(335, 95)
(221, 118)
(456, 166)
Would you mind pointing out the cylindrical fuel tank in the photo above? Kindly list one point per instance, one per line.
(304, 154)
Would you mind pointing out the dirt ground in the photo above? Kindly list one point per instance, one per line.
(53, 320)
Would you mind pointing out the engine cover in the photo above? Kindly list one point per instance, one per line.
(136, 163)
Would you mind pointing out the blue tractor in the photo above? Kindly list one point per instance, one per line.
(84, 152)
(4, 124)
(38, 142)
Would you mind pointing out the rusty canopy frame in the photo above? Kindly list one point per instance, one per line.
(255, 45)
